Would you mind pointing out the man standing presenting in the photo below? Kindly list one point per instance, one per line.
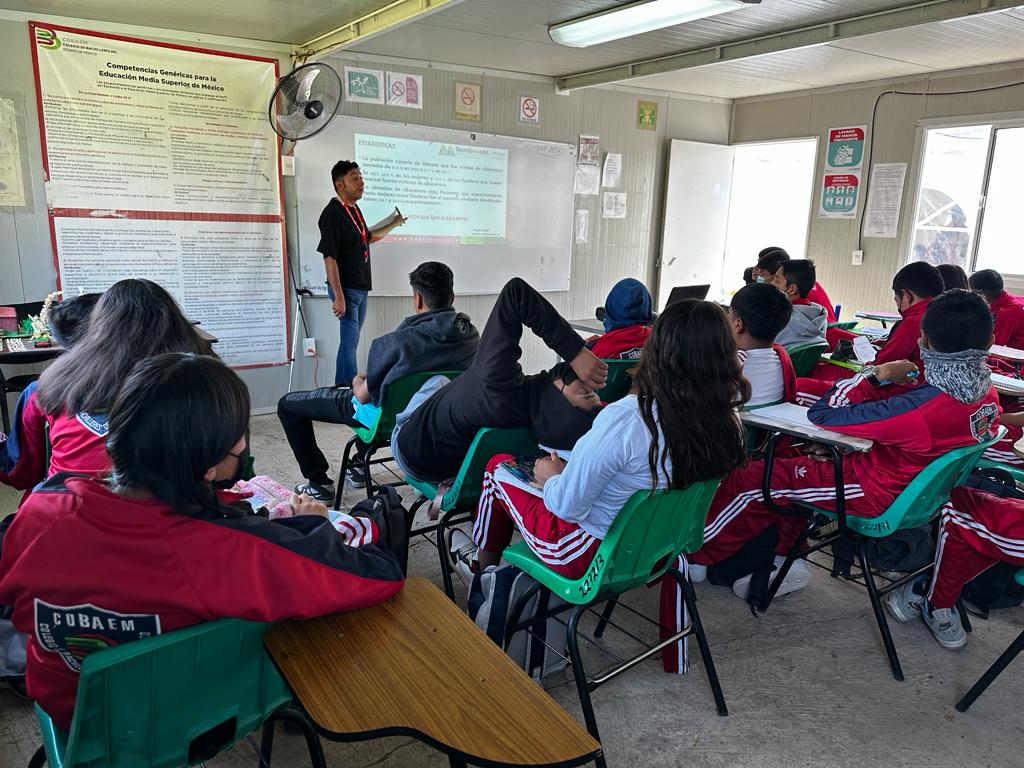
(345, 244)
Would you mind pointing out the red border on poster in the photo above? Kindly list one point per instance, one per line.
(165, 215)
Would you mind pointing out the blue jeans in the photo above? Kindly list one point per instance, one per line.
(351, 325)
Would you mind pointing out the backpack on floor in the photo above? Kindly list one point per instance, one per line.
(997, 586)
(492, 596)
(393, 521)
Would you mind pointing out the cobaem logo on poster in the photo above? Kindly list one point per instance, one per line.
(47, 38)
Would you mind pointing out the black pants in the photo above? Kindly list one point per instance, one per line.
(297, 412)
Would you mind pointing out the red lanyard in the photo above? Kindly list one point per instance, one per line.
(360, 225)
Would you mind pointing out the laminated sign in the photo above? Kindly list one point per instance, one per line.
(844, 161)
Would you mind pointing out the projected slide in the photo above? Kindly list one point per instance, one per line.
(449, 192)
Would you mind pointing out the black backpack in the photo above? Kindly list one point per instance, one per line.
(393, 521)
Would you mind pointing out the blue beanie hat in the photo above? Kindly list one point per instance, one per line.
(628, 303)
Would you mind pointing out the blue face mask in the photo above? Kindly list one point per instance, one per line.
(760, 278)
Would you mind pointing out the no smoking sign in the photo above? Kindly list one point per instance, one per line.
(467, 101)
(529, 109)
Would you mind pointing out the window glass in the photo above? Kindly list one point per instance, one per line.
(1001, 247)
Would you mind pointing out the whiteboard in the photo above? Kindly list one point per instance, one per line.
(533, 240)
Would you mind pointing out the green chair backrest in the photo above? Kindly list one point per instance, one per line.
(394, 400)
(643, 541)
(804, 356)
(141, 704)
(487, 443)
(920, 500)
(619, 380)
(848, 325)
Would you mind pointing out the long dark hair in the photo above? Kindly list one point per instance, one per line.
(134, 319)
(689, 371)
(176, 416)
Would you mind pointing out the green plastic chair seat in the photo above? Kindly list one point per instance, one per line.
(805, 356)
(847, 325)
(642, 543)
(487, 443)
(919, 501)
(394, 400)
(619, 381)
(142, 704)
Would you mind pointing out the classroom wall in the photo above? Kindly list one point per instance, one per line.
(811, 113)
(616, 248)
(26, 254)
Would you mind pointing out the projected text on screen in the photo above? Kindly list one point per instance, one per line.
(448, 192)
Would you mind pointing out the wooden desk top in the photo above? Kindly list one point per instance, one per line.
(416, 665)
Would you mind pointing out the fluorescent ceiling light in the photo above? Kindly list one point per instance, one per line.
(637, 18)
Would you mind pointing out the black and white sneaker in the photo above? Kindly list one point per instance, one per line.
(317, 491)
(463, 551)
(355, 477)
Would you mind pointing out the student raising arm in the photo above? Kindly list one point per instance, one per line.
(156, 546)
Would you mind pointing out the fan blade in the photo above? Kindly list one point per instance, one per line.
(306, 85)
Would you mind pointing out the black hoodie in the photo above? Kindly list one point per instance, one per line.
(494, 392)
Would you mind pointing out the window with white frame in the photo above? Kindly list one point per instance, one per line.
(969, 193)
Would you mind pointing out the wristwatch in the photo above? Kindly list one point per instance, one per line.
(868, 372)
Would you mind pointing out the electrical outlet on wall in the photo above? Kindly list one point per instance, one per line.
(309, 347)
(858, 258)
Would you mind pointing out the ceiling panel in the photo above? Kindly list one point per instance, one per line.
(285, 21)
(482, 33)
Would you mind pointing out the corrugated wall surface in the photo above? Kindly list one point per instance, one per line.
(811, 113)
(617, 247)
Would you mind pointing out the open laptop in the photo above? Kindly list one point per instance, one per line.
(681, 292)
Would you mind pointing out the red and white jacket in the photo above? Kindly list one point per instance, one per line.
(77, 444)
(909, 430)
(1008, 319)
(901, 344)
(87, 569)
(621, 344)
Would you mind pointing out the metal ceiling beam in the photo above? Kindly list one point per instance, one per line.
(802, 37)
(389, 16)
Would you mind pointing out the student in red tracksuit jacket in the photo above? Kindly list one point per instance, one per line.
(757, 313)
(88, 564)
(133, 319)
(978, 529)
(956, 408)
(1007, 309)
(913, 288)
(627, 322)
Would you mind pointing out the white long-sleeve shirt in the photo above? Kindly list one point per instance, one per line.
(608, 465)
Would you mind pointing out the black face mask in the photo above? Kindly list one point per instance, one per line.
(243, 462)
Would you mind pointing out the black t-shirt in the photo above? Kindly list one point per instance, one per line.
(341, 240)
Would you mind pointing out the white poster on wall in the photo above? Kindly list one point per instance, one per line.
(405, 90)
(885, 195)
(12, 186)
(162, 164)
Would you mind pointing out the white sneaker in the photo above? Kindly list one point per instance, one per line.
(463, 555)
(799, 576)
(904, 604)
(946, 626)
(696, 573)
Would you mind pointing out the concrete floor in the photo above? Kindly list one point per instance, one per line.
(807, 684)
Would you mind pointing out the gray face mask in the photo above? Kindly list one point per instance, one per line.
(963, 375)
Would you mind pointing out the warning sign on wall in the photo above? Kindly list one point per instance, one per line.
(529, 109)
(467, 101)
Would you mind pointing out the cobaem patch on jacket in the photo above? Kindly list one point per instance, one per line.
(982, 421)
(97, 424)
(75, 631)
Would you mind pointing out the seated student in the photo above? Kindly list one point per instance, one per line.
(434, 337)
(956, 408)
(132, 320)
(433, 434)
(953, 276)
(978, 529)
(748, 276)
(1007, 309)
(677, 427)
(66, 322)
(768, 262)
(172, 554)
(913, 288)
(757, 313)
(627, 322)
(807, 324)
